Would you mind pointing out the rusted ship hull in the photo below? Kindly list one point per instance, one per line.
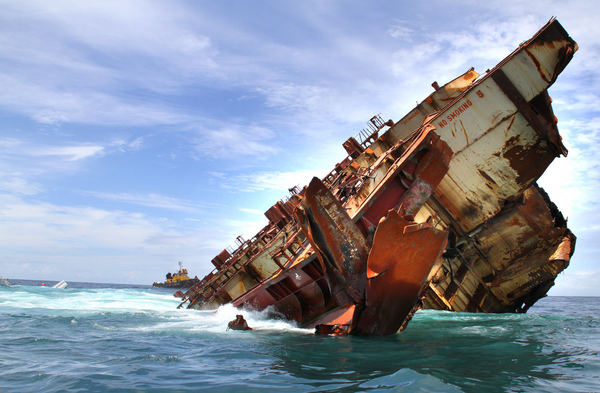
(440, 209)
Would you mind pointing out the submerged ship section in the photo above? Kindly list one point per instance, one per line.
(440, 210)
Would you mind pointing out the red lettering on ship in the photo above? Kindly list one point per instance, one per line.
(479, 94)
(455, 114)
(409, 118)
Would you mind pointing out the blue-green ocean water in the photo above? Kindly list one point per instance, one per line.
(114, 338)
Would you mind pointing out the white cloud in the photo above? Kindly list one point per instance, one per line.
(13, 184)
(273, 181)
(67, 61)
(43, 240)
(70, 153)
(295, 97)
(150, 200)
(51, 227)
(574, 182)
(245, 228)
(9, 142)
(235, 141)
(251, 211)
(90, 104)
(443, 54)
(399, 30)
(51, 157)
(136, 144)
(573, 282)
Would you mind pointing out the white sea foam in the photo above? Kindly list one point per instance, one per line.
(72, 302)
(86, 301)
(216, 321)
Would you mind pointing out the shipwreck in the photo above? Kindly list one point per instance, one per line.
(438, 210)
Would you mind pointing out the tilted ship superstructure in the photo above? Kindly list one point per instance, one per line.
(439, 210)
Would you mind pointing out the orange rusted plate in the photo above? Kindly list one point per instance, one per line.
(340, 316)
(400, 261)
(336, 238)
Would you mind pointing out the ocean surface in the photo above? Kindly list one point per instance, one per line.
(120, 338)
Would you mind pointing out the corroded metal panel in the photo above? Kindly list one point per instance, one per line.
(402, 256)
(263, 264)
(337, 240)
(411, 179)
(526, 244)
(536, 64)
(500, 148)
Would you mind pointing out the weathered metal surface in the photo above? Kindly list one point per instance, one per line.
(528, 244)
(339, 244)
(501, 146)
(410, 180)
(433, 103)
(401, 258)
(465, 162)
(301, 294)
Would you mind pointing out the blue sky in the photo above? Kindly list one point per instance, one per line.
(138, 134)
